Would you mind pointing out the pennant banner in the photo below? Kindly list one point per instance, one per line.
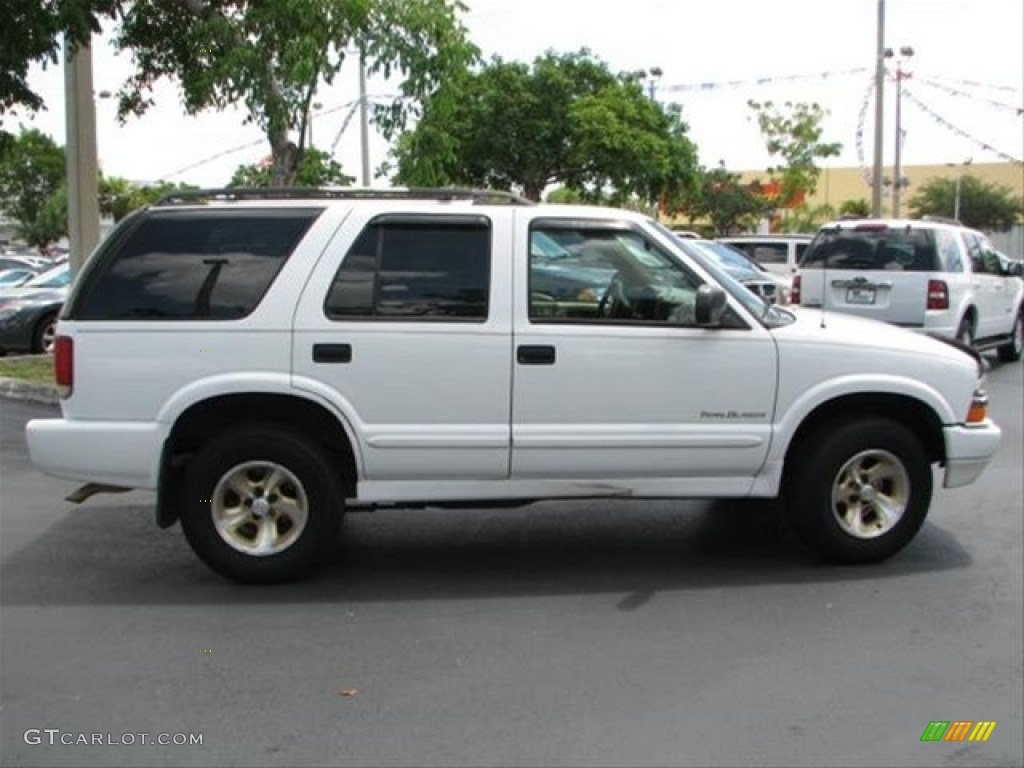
(976, 84)
(757, 81)
(861, 120)
(958, 92)
(959, 131)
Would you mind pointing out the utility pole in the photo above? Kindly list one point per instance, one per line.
(876, 175)
(82, 164)
(364, 121)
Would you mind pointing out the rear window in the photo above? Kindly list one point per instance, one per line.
(192, 265)
(901, 250)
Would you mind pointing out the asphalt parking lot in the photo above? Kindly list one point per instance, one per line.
(613, 633)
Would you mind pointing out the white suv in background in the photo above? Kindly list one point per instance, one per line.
(779, 254)
(927, 275)
(265, 359)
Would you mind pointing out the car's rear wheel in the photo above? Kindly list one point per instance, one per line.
(261, 504)
(43, 338)
(860, 490)
(1011, 351)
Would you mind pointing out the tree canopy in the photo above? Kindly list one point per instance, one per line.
(316, 169)
(726, 202)
(31, 31)
(566, 119)
(31, 174)
(793, 132)
(271, 55)
(983, 204)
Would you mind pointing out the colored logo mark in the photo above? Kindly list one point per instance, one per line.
(958, 730)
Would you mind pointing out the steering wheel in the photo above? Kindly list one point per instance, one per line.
(614, 302)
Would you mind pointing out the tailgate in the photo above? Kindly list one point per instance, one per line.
(893, 297)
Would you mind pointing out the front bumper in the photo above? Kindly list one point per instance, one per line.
(968, 451)
(118, 453)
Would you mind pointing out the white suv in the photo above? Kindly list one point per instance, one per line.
(928, 275)
(264, 360)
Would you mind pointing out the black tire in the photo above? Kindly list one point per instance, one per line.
(303, 544)
(1011, 351)
(965, 331)
(39, 333)
(809, 491)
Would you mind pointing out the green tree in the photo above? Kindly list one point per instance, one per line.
(31, 172)
(806, 218)
(983, 205)
(316, 169)
(859, 207)
(793, 133)
(726, 202)
(118, 197)
(32, 31)
(271, 55)
(566, 119)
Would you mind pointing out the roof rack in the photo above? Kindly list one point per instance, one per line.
(942, 220)
(443, 194)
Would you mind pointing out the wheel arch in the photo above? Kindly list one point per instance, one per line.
(210, 416)
(910, 411)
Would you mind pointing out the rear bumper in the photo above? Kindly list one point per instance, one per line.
(113, 452)
(968, 451)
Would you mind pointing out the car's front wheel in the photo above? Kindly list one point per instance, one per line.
(43, 338)
(859, 490)
(261, 504)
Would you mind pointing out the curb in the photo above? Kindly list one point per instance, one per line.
(18, 389)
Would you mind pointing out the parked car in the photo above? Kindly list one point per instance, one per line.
(12, 278)
(767, 285)
(265, 359)
(13, 261)
(779, 254)
(932, 276)
(28, 313)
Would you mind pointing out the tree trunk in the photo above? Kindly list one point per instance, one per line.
(286, 164)
(533, 191)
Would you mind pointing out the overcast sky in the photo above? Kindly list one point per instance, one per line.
(700, 48)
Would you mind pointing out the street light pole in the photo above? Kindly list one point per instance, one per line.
(897, 180)
(655, 73)
(876, 176)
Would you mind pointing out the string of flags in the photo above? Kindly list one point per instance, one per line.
(959, 131)
(757, 81)
(957, 92)
(977, 84)
(861, 120)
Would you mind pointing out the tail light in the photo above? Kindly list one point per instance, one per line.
(794, 293)
(938, 295)
(64, 365)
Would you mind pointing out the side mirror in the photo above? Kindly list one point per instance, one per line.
(1015, 269)
(710, 305)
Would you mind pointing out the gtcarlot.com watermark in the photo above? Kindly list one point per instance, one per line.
(55, 736)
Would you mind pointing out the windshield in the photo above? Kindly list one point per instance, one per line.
(725, 255)
(57, 277)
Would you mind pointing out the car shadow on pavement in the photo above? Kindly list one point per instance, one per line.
(114, 555)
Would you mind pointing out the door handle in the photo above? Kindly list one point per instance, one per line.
(332, 353)
(535, 355)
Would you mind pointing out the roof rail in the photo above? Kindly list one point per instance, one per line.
(942, 220)
(444, 194)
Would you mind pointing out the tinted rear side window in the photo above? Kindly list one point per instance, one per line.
(415, 270)
(902, 250)
(193, 265)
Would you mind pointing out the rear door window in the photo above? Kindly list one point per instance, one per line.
(415, 268)
(192, 265)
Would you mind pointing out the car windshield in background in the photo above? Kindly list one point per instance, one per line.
(57, 277)
(905, 249)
